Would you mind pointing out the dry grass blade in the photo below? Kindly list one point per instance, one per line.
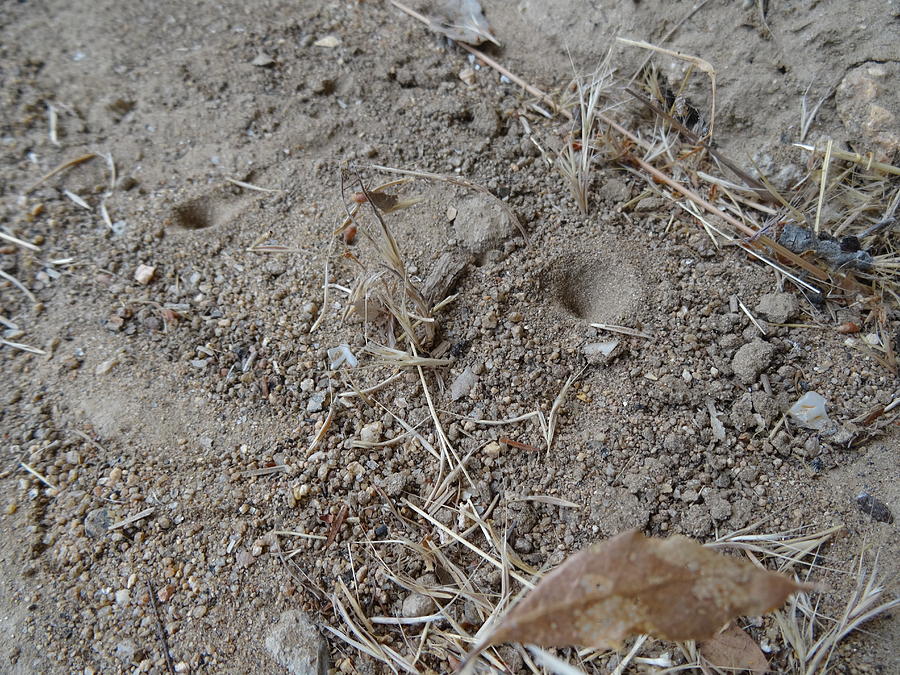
(807, 114)
(402, 359)
(546, 499)
(76, 199)
(367, 644)
(453, 535)
(635, 649)
(22, 347)
(553, 417)
(787, 549)
(62, 167)
(823, 182)
(552, 663)
(623, 330)
(388, 297)
(130, 520)
(18, 284)
(39, 476)
(323, 430)
(19, 242)
(53, 118)
(250, 186)
(867, 161)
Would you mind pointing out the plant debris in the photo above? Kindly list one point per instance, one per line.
(733, 649)
(672, 589)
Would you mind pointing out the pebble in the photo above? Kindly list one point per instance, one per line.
(482, 223)
(492, 449)
(104, 367)
(263, 60)
(96, 522)
(123, 597)
(316, 402)
(165, 593)
(126, 649)
(144, 274)
(329, 42)
(462, 384)
(467, 75)
(875, 508)
(752, 359)
(371, 433)
(778, 307)
(600, 352)
(295, 644)
(416, 604)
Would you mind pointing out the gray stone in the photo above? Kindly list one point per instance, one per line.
(778, 307)
(395, 484)
(416, 604)
(482, 223)
(295, 643)
(600, 352)
(696, 521)
(96, 522)
(315, 403)
(126, 650)
(463, 384)
(752, 359)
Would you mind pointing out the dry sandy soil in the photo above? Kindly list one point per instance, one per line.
(191, 400)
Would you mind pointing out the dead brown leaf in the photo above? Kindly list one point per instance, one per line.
(673, 589)
(385, 202)
(735, 650)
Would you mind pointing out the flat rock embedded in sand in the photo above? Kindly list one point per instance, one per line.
(295, 643)
(482, 223)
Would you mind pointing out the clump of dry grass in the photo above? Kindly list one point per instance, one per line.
(813, 637)
(384, 296)
(576, 158)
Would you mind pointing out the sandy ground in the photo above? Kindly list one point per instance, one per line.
(192, 400)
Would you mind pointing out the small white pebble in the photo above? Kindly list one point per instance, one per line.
(144, 274)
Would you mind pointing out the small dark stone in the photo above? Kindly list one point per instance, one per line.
(381, 531)
(876, 508)
(460, 348)
(850, 244)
